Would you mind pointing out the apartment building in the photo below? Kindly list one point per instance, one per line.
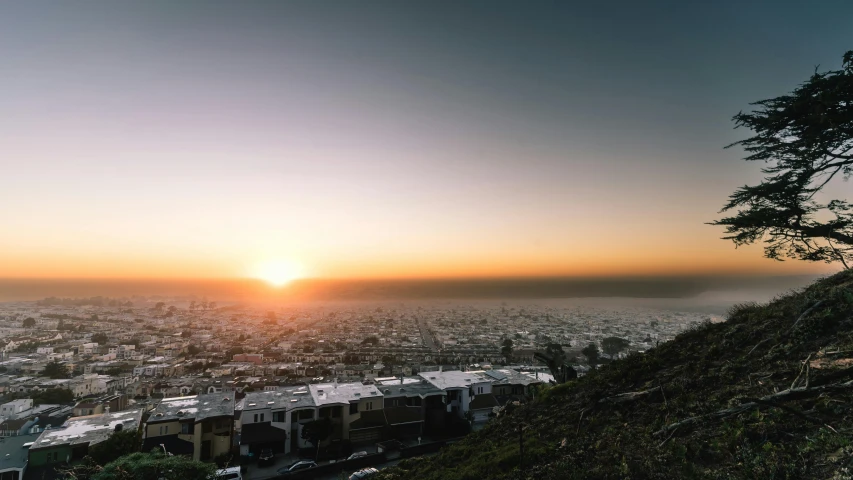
(15, 407)
(72, 440)
(273, 419)
(200, 425)
(462, 389)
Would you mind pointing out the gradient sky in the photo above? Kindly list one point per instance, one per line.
(386, 139)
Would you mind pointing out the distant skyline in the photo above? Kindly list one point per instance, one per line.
(382, 139)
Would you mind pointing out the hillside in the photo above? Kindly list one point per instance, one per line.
(766, 394)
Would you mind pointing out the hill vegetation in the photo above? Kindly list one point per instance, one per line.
(766, 394)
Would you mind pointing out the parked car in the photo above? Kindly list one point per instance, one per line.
(231, 473)
(363, 473)
(266, 458)
(357, 455)
(300, 465)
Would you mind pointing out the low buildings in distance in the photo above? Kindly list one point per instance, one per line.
(204, 379)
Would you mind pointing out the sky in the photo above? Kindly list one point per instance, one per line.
(369, 139)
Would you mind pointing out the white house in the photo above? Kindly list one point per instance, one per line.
(462, 388)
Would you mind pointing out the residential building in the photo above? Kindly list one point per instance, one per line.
(412, 407)
(273, 419)
(106, 404)
(462, 388)
(72, 440)
(351, 408)
(14, 456)
(201, 426)
(15, 407)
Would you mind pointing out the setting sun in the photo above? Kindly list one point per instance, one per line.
(278, 273)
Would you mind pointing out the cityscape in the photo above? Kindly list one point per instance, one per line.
(432, 369)
(426, 240)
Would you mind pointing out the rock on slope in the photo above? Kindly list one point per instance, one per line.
(766, 394)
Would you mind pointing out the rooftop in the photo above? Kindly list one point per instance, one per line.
(89, 430)
(288, 399)
(336, 393)
(14, 451)
(198, 407)
(455, 378)
(512, 377)
(410, 386)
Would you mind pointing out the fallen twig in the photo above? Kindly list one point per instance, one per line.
(759, 376)
(757, 345)
(627, 397)
(804, 366)
(839, 352)
(808, 311)
(791, 393)
(667, 438)
(788, 409)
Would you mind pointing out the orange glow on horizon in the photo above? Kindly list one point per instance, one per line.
(278, 273)
(482, 264)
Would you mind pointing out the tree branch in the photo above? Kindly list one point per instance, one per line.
(790, 394)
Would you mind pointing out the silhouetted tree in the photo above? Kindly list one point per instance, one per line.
(555, 351)
(805, 139)
(29, 322)
(317, 431)
(194, 367)
(591, 353)
(119, 444)
(614, 345)
(506, 349)
(53, 396)
(55, 369)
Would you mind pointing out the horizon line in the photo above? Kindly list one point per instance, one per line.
(441, 278)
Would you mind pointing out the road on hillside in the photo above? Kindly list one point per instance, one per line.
(429, 340)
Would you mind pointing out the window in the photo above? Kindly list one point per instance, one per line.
(353, 408)
(164, 430)
(187, 428)
(278, 417)
(369, 406)
(479, 389)
(52, 457)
